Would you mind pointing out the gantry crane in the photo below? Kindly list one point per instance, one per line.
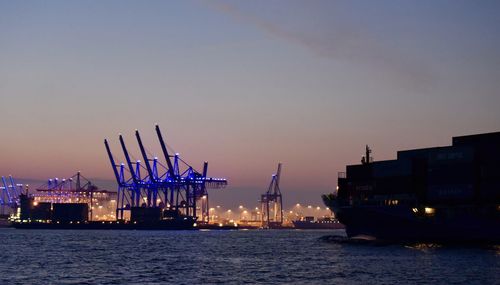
(272, 203)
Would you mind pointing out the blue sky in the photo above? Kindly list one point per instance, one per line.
(243, 84)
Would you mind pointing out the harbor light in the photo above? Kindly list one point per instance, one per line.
(429, 211)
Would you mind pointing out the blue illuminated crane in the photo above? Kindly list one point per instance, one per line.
(9, 193)
(175, 186)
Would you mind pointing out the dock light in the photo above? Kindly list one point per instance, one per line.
(415, 210)
(291, 212)
(309, 207)
(256, 208)
(195, 225)
(429, 211)
(318, 208)
(298, 205)
(241, 207)
(229, 211)
(218, 207)
(244, 212)
(220, 224)
(35, 203)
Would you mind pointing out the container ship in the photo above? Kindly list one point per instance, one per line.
(438, 194)
(46, 215)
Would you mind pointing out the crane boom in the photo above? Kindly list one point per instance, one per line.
(112, 160)
(165, 152)
(145, 156)
(129, 163)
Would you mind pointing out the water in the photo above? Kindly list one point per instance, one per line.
(232, 257)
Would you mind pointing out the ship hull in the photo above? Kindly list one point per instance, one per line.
(174, 224)
(399, 223)
(317, 225)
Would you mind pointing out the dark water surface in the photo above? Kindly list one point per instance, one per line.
(233, 257)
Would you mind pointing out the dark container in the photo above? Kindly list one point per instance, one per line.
(394, 185)
(145, 215)
(450, 193)
(26, 205)
(70, 212)
(451, 173)
(359, 172)
(451, 155)
(391, 168)
(41, 211)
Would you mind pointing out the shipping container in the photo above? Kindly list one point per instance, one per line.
(70, 212)
(451, 155)
(145, 215)
(359, 172)
(450, 192)
(391, 168)
(41, 211)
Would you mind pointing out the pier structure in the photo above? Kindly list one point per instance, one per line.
(173, 185)
(9, 194)
(272, 203)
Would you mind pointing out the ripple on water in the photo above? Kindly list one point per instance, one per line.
(231, 257)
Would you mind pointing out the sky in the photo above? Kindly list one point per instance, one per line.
(243, 85)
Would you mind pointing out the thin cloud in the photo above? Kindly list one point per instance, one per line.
(340, 40)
